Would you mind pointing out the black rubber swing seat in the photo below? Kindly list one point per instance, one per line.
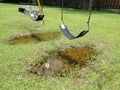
(34, 14)
(66, 32)
(36, 18)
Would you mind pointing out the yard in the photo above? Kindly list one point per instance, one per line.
(16, 58)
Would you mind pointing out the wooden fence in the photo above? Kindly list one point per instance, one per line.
(80, 4)
(107, 4)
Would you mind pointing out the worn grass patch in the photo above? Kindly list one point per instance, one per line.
(63, 61)
(33, 37)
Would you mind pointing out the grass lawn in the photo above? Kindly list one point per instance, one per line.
(102, 74)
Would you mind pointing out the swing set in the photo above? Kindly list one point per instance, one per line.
(38, 15)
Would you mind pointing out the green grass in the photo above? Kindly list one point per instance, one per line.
(104, 73)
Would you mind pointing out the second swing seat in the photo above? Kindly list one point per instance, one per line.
(34, 14)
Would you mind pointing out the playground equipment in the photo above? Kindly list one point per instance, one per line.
(38, 15)
(65, 29)
(35, 15)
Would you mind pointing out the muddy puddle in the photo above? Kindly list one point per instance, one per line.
(33, 37)
(64, 61)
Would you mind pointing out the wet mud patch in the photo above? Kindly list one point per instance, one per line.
(64, 61)
(33, 37)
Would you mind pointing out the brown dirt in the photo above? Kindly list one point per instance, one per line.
(65, 60)
(33, 37)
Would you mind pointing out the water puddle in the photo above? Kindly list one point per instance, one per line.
(64, 60)
(33, 37)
